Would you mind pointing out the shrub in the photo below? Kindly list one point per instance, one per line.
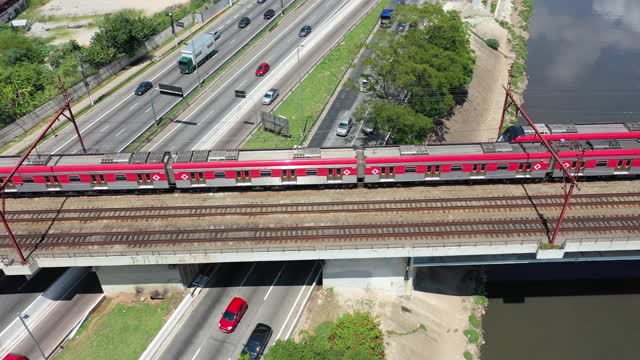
(492, 43)
(472, 335)
(475, 321)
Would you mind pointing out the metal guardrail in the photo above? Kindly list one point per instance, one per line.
(188, 92)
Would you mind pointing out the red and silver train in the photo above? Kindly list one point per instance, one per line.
(299, 167)
(568, 132)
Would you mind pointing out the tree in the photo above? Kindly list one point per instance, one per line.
(403, 124)
(357, 332)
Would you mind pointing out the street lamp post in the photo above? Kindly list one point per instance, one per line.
(304, 129)
(195, 61)
(281, 7)
(173, 28)
(20, 316)
(153, 109)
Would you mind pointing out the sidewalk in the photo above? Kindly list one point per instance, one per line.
(79, 105)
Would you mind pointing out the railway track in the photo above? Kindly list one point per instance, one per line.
(411, 205)
(338, 233)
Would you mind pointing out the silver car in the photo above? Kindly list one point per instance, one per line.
(344, 126)
(270, 96)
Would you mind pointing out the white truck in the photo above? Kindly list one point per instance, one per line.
(197, 51)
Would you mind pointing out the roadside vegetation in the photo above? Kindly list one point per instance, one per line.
(30, 67)
(353, 336)
(318, 86)
(117, 330)
(418, 75)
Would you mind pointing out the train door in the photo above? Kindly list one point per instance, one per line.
(98, 180)
(197, 178)
(623, 165)
(144, 179)
(10, 185)
(335, 174)
(479, 170)
(433, 171)
(289, 175)
(52, 182)
(242, 177)
(387, 173)
(524, 168)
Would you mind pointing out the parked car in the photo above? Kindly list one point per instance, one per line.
(244, 22)
(270, 96)
(269, 14)
(401, 27)
(262, 69)
(412, 25)
(14, 357)
(232, 315)
(306, 30)
(216, 34)
(257, 341)
(261, 1)
(369, 127)
(143, 87)
(344, 126)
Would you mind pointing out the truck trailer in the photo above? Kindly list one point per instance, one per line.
(196, 52)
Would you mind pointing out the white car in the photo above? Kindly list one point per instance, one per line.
(270, 96)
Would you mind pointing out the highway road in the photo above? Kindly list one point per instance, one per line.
(274, 291)
(17, 292)
(61, 318)
(115, 122)
(218, 120)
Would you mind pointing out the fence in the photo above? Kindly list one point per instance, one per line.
(49, 108)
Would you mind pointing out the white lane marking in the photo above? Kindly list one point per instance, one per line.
(232, 41)
(227, 23)
(104, 128)
(312, 19)
(132, 106)
(121, 131)
(296, 302)
(274, 282)
(232, 78)
(197, 352)
(149, 109)
(247, 276)
(241, 84)
(295, 321)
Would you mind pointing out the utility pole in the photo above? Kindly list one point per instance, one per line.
(153, 109)
(31, 334)
(304, 128)
(83, 71)
(281, 7)
(173, 28)
(195, 62)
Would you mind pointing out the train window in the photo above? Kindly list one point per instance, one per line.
(456, 168)
(433, 169)
(10, 182)
(601, 163)
(524, 166)
(503, 166)
(219, 175)
(28, 180)
(265, 173)
(410, 169)
(121, 177)
(312, 172)
(74, 178)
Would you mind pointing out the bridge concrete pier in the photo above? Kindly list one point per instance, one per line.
(391, 274)
(145, 278)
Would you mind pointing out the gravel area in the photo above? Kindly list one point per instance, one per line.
(74, 8)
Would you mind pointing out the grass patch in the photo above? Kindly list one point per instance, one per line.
(472, 335)
(119, 332)
(317, 87)
(475, 321)
(467, 355)
(420, 327)
(480, 300)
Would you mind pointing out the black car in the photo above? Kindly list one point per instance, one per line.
(143, 88)
(269, 14)
(244, 22)
(258, 341)
(261, 1)
(306, 30)
(401, 27)
(412, 25)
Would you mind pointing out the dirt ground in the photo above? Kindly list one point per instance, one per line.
(428, 324)
(479, 117)
(75, 8)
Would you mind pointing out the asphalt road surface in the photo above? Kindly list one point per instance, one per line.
(115, 122)
(219, 119)
(17, 292)
(274, 291)
(61, 318)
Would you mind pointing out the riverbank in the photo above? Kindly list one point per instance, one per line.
(478, 118)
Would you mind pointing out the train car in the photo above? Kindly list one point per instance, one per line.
(456, 162)
(569, 132)
(87, 172)
(599, 157)
(233, 168)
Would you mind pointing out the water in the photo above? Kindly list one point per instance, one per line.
(584, 61)
(585, 311)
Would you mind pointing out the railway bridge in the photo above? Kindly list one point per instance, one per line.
(371, 238)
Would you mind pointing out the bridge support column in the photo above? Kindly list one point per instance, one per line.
(391, 274)
(145, 278)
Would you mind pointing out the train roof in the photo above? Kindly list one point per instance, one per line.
(583, 128)
(262, 155)
(158, 157)
(450, 149)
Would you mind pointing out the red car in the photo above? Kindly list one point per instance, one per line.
(14, 357)
(262, 69)
(231, 317)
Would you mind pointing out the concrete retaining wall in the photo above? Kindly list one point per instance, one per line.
(38, 309)
(140, 278)
(385, 274)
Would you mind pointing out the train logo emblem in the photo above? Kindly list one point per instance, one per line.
(537, 166)
(155, 177)
(185, 177)
(346, 172)
(375, 171)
